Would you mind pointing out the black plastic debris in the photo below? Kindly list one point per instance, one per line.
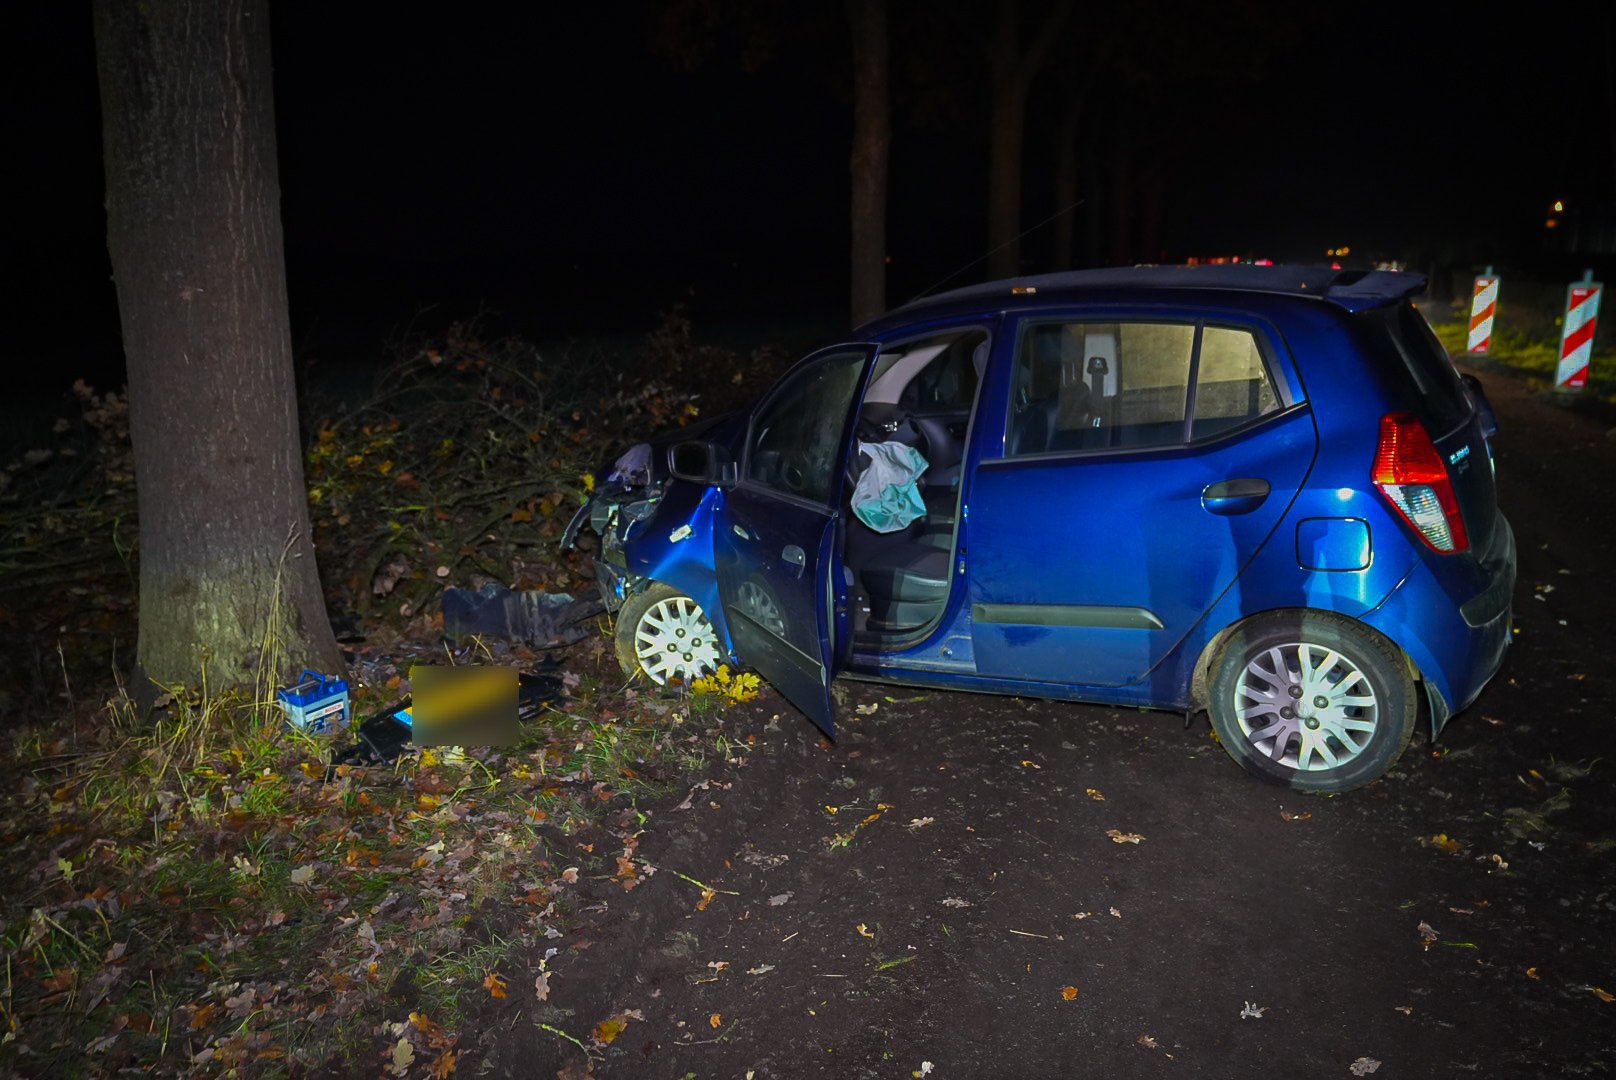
(383, 737)
(543, 620)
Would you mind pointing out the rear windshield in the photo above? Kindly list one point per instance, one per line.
(1444, 405)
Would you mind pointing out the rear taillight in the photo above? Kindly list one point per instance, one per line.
(1413, 477)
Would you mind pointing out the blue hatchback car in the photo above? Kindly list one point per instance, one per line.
(1260, 491)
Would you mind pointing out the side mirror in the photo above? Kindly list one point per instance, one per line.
(702, 463)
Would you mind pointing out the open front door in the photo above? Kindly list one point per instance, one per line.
(779, 569)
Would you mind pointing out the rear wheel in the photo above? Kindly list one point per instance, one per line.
(664, 634)
(1312, 700)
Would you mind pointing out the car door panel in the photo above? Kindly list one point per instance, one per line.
(775, 539)
(1088, 569)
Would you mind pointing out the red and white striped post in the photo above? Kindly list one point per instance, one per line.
(1483, 306)
(1577, 332)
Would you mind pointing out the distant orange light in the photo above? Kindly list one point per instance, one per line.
(1552, 223)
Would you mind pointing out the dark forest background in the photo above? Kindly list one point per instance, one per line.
(573, 170)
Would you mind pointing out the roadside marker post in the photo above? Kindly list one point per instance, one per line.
(1577, 332)
(1483, 306)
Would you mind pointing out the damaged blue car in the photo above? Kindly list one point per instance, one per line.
(1264, 492)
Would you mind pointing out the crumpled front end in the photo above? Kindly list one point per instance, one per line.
(618, 511)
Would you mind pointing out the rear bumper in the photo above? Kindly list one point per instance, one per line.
(1457, 642)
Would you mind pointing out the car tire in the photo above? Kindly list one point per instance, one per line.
(661, 623)
(1339, 695)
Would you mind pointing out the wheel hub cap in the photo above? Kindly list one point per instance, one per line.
(1306, 706)
(675, 640)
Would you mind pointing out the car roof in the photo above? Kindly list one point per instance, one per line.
(1353, 290)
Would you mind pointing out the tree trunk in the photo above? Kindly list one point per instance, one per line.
(1121, 207)
(872, 143)
(1066, 186)
(1007, 125)
(227, 571)
(1010, 71)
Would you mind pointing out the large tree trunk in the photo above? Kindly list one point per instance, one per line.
(1007, 124)
(1121, 206)
(1066, 187)
(872, 143)
(227, 573)
(1011, 70)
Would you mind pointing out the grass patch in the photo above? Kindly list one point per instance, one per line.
(1534, 357)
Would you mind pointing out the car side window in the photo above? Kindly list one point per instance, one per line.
(797, 435)
(1232, 385)
(1099, 386)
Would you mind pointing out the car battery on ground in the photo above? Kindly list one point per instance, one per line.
(316, 703)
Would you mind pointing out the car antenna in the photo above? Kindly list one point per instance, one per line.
(927, 291)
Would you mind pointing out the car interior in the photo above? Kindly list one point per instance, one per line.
(921, 394)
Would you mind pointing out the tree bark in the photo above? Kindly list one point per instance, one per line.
(1066, 183)
(1011, 70)
(1121, 205)
(872, 145)
(227, 572)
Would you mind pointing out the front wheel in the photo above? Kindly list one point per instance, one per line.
(664, 634)
(1312, 700)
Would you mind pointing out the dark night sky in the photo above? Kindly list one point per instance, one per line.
(550, 165)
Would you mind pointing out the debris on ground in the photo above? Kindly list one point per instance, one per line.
(540, 619)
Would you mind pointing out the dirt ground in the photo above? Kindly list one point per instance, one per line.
(937, 894)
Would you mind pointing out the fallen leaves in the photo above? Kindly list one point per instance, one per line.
(1253, 1011)
(1148, 1043)
(1602, 994)
(1069, 993)
(716, 1020)
(403, 1056)
(1363, 1066)
(495, 985)
(1443, 842)
(609, 1029)
(1428, 935)
(864, 931)
(734, 689)
(1095, 793)
(1119, 837)
(302, 875)
(1288, 817)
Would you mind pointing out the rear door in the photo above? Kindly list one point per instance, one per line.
(1130, 494)
(776, 541)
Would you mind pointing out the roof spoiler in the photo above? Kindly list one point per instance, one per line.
(1360, 290)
